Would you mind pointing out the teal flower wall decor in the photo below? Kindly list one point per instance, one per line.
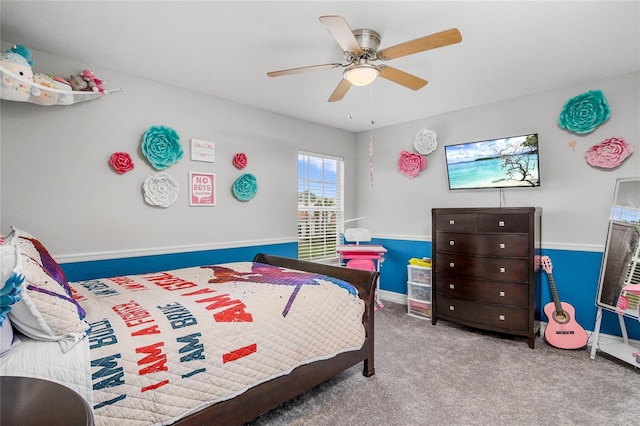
(161, 146)
(245, 187)
(585, 112)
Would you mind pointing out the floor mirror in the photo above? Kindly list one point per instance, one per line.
(620, 269)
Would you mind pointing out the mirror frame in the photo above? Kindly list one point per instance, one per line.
(623, 238)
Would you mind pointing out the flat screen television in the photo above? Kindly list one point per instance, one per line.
(510, 162)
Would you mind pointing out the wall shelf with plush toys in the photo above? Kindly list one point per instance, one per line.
(17, 88)
(19, 82)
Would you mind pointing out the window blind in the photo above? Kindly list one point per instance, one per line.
(320, 206)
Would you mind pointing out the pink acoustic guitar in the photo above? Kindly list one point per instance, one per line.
(562, 331)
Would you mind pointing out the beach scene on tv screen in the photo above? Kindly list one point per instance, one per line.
(497, 163)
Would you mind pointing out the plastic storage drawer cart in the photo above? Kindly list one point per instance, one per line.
(419, 291)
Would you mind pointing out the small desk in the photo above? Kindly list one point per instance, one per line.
(373, 252)
(29, 401)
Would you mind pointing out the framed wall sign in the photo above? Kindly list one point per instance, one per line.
(203, 150)
(202, 189)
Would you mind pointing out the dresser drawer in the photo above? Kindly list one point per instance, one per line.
(507, 245)
(496, 316)
(518, 223)
(456, 222)
(491, 269)
(483, 291)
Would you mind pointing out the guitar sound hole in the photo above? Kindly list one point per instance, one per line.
(561, 317)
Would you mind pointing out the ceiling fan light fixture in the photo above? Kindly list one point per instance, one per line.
(361, 75)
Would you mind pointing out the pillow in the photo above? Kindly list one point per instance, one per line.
(8, 260)
(6, 337)
(47, 310)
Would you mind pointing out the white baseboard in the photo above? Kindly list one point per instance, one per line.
(392, 296)
(608, 339)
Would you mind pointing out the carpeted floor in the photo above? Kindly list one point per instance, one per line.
(452, 375)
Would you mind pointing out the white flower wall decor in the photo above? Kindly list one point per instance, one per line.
(160, 190)
(425, 141)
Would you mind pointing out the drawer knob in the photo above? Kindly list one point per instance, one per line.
(502, 294)
(452, 222)
(501, 317)
(501, 223)
(452, 243)
(502, 245)
(452, 308)
(452, 287)
(503, 270)
(452, 265)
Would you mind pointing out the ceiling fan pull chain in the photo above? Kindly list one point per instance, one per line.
(371, 139)
(371, 154)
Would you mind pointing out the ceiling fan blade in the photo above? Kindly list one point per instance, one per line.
(441, 39)
(340, 91)
(402, 78)
(302, 69)
(341, 31)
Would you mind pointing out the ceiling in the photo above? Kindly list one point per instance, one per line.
(509, 49)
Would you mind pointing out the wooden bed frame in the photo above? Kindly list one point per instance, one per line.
(269, 395)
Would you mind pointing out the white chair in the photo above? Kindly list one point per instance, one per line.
(356, 235)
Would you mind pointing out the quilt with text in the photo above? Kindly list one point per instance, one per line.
(164, 345)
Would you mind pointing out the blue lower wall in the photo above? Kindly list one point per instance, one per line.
(576, 273)
(80, 271)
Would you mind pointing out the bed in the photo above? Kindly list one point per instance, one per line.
(211, 344)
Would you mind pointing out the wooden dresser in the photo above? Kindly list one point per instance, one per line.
(485, 272)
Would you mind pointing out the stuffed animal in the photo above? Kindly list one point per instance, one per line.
(61, 84)
(78, 83)
(46, 97)
(19, 88)
(87, 81)
(10, 294)
(22, 51)
(94, 83)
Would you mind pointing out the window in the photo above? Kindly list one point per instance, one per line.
(320, 206)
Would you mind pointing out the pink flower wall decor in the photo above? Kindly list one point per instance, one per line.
(240, 161)
(609, 153)
(121, 162)
(411, 164)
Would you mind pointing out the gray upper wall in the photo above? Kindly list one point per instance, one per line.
(574, 196)
(57, 184)
(55, 180)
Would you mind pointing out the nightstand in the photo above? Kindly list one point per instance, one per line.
(29, 401)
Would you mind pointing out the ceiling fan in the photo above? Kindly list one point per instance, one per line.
(361, 49)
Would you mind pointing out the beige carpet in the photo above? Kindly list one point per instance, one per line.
(452, 375)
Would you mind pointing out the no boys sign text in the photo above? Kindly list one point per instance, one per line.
(202, 189)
